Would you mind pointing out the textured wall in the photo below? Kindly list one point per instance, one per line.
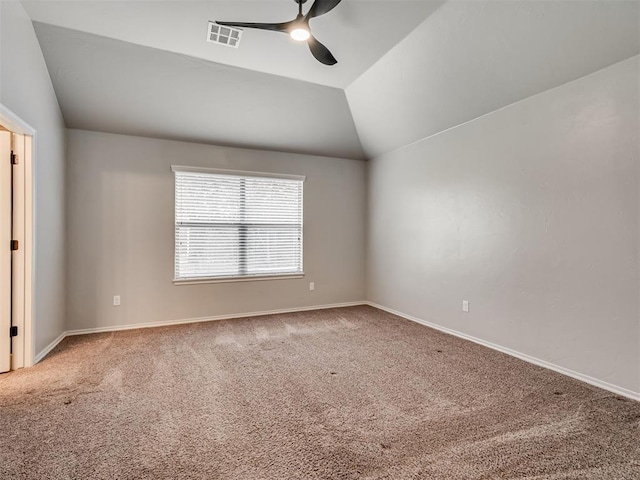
(531, 213)
(25, 88)
(121, 232)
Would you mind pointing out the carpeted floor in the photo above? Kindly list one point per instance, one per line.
(332, 394)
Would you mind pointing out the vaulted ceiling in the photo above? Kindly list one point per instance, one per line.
(407, 69)
(358, 32)
(118, 87)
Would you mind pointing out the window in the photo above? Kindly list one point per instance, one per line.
(236, 225)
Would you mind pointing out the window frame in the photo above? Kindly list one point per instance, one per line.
(236, 278)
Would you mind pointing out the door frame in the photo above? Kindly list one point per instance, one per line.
(15, 124)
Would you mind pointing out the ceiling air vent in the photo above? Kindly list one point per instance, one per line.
(228, 36)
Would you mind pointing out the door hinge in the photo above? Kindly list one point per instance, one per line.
(14, 158)
(13, 331)
(15, 244)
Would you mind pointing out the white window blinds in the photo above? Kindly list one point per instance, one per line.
(231, 225)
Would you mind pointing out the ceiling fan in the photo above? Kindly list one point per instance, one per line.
(298, 28)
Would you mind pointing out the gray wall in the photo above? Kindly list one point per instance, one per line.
(25, 88)
(532, 214)
(120, 202)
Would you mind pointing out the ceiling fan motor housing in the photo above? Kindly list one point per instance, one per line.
(298, 28)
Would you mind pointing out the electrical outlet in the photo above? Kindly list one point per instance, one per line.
(116, 300)
(465, 306)
(312, 286)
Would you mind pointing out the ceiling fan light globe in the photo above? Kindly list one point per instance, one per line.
(300, 34)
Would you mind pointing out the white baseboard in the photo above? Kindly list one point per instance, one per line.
(214, 318)
(49, 347)
(522, 356)
(115, 328)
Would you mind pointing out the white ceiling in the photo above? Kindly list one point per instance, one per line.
(472, 58)
(408, 69)
(358, 32)
(117, 87)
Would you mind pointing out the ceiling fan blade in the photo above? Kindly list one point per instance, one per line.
(320, 7)
(322, 53)
(274, 27)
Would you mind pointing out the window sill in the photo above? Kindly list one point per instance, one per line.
(196, 281)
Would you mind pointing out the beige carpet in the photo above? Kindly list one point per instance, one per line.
(334, 394)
